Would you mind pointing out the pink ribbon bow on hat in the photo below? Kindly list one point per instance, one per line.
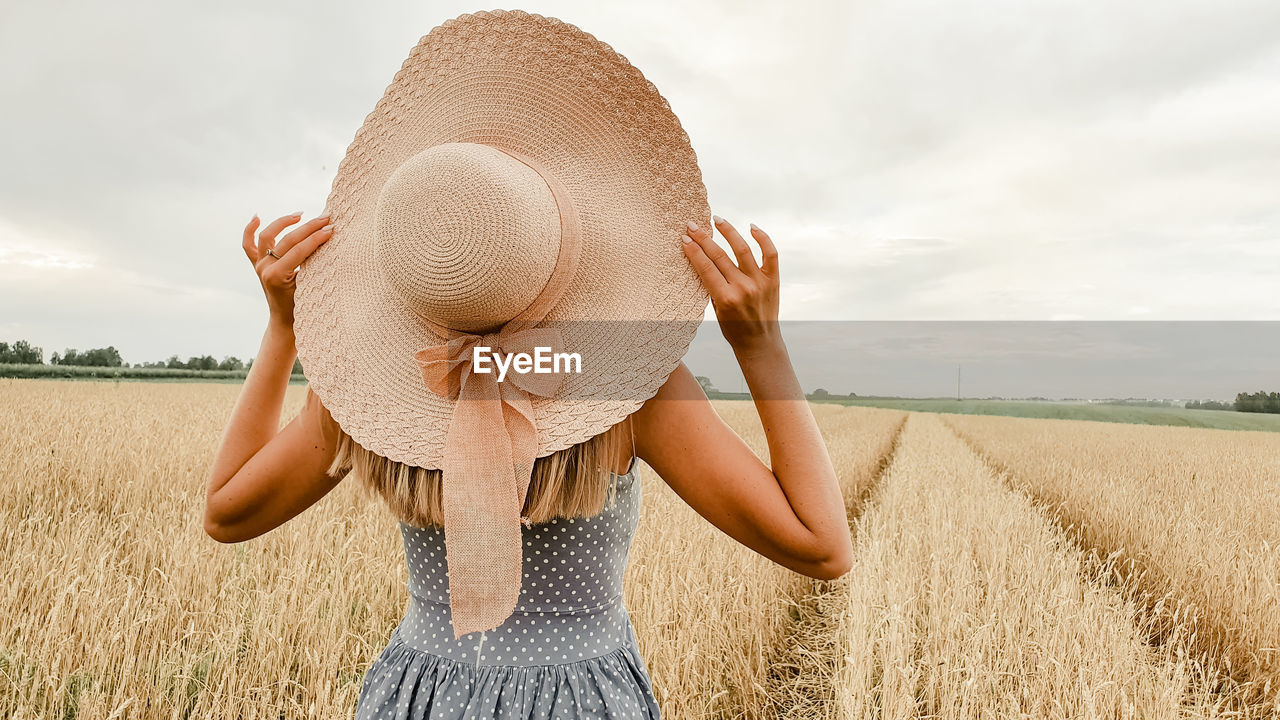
(488, 463)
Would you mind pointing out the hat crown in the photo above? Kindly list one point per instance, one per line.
(466, 234)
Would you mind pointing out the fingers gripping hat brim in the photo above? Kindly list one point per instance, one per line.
(549, 90)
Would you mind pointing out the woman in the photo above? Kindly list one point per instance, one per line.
(567, 647)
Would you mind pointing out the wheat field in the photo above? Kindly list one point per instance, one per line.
(1004, 567)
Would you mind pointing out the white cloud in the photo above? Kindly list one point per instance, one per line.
(24, 253)
(911, 159)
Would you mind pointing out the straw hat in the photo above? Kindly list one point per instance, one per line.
(519, 185)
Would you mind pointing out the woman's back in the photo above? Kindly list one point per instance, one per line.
(568, 650)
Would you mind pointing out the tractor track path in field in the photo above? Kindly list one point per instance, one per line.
(795, 689)
(1125, 578)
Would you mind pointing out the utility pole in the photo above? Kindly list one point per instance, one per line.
(957, 382)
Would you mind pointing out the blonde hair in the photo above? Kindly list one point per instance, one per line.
(573, 482)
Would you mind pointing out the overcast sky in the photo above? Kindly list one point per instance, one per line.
(993, 159)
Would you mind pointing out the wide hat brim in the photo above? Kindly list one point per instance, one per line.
(545, 88)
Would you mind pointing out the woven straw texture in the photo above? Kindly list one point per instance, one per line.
(547, 89)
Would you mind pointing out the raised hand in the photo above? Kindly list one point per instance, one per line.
(277, 262)
(744, 294)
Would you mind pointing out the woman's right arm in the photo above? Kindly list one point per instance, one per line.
(792, 513)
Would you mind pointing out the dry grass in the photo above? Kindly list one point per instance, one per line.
(965, 601)
(120, 605)
(1192, 516)
(117, 601)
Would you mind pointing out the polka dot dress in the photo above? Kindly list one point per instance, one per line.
(568, 651)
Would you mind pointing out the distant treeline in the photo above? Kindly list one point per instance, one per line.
(26, 360)
(24, 353)
(1259, 402)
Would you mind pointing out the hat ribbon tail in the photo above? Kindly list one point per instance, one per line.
(489, 451)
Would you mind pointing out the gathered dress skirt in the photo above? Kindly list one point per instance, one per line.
(568, 651)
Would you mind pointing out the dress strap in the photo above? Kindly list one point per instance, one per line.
(631, 466)
(631, 422)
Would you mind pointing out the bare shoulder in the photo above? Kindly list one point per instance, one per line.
(317, 417)
(679, 403)
(680, 435)
(314, 434)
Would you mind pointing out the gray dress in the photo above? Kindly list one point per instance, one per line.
(568, 651)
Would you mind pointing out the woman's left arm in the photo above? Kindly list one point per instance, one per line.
(255, 420)
(262, 475)
(256, 417)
